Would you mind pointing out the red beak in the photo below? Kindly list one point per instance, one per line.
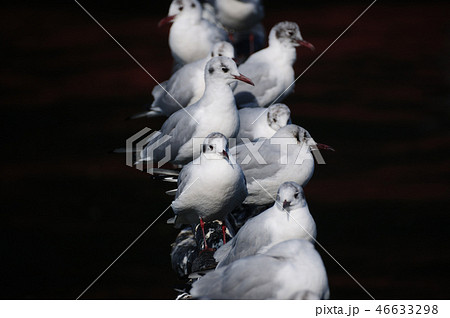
(166, 20)
(306, 44)
(286, 204)
(324, 147)
(244, 79)
(225, 154)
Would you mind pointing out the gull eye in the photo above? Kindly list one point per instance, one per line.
(225, 69)
(193, 5)
(220, 54)
(211, 147)
(274, 120)
(180, 8)
(296, 195)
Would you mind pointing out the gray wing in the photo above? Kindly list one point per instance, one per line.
(176, 131)
(246, 94)
(248, 278)
(178, 92)
(183, 179)
(248, 241)
(254, 168)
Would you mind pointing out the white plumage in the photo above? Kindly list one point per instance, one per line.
(289, 270)
(186, 86)
(271, 68)
(257, 122)
(215, 112)
(289, 218)
(209, 187)
(268, 163)
(191, 37)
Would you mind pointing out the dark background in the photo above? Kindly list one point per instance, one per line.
(380, 96)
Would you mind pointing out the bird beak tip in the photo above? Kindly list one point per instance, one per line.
(324, 147)
(244, 79)
(306, 44)
(165, 20)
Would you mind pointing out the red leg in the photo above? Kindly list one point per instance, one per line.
(251, 39)
(231, 37)
(224, 232)
(202, 225)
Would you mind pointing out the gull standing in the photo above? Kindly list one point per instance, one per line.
(289, 270)
(272, 68)
(215, 112)
(289, 218)
(186, 86)
(257, 122)
(209, 187)
(270, 162)
(191, 37)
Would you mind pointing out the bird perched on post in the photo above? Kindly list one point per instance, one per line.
(289, 218)
(267, 163)
(289, 270)
(209, 187)
(215, 112)
(185, 87)
(257, 122)
(272, 68)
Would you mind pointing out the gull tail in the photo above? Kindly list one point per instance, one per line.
(171, 192)
(153, 112)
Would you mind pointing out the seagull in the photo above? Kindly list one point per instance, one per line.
(289, 218)
(267, 163)
(271, 68)
(186, 86)
(191, 37)
(239, 15)
(257, 122)
(289, 270)
(215, 112)
(209, 187)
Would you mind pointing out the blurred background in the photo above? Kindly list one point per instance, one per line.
(379, 96)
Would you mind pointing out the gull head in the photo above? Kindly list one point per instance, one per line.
(290, 196)
(223, 69)
(215, 146)
(278, 116)
(288, 34)
(185, 8)
(223, 49)
(299, 134)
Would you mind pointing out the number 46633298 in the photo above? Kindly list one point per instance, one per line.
(407, 309)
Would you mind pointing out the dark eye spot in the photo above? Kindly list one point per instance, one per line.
(225, 69)
(193, 5)
(180, 8)
(296, 195)
(211, 70)
(290, 33)
(211, 147)
(212, 54)
(274, 120)
(220, 54)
